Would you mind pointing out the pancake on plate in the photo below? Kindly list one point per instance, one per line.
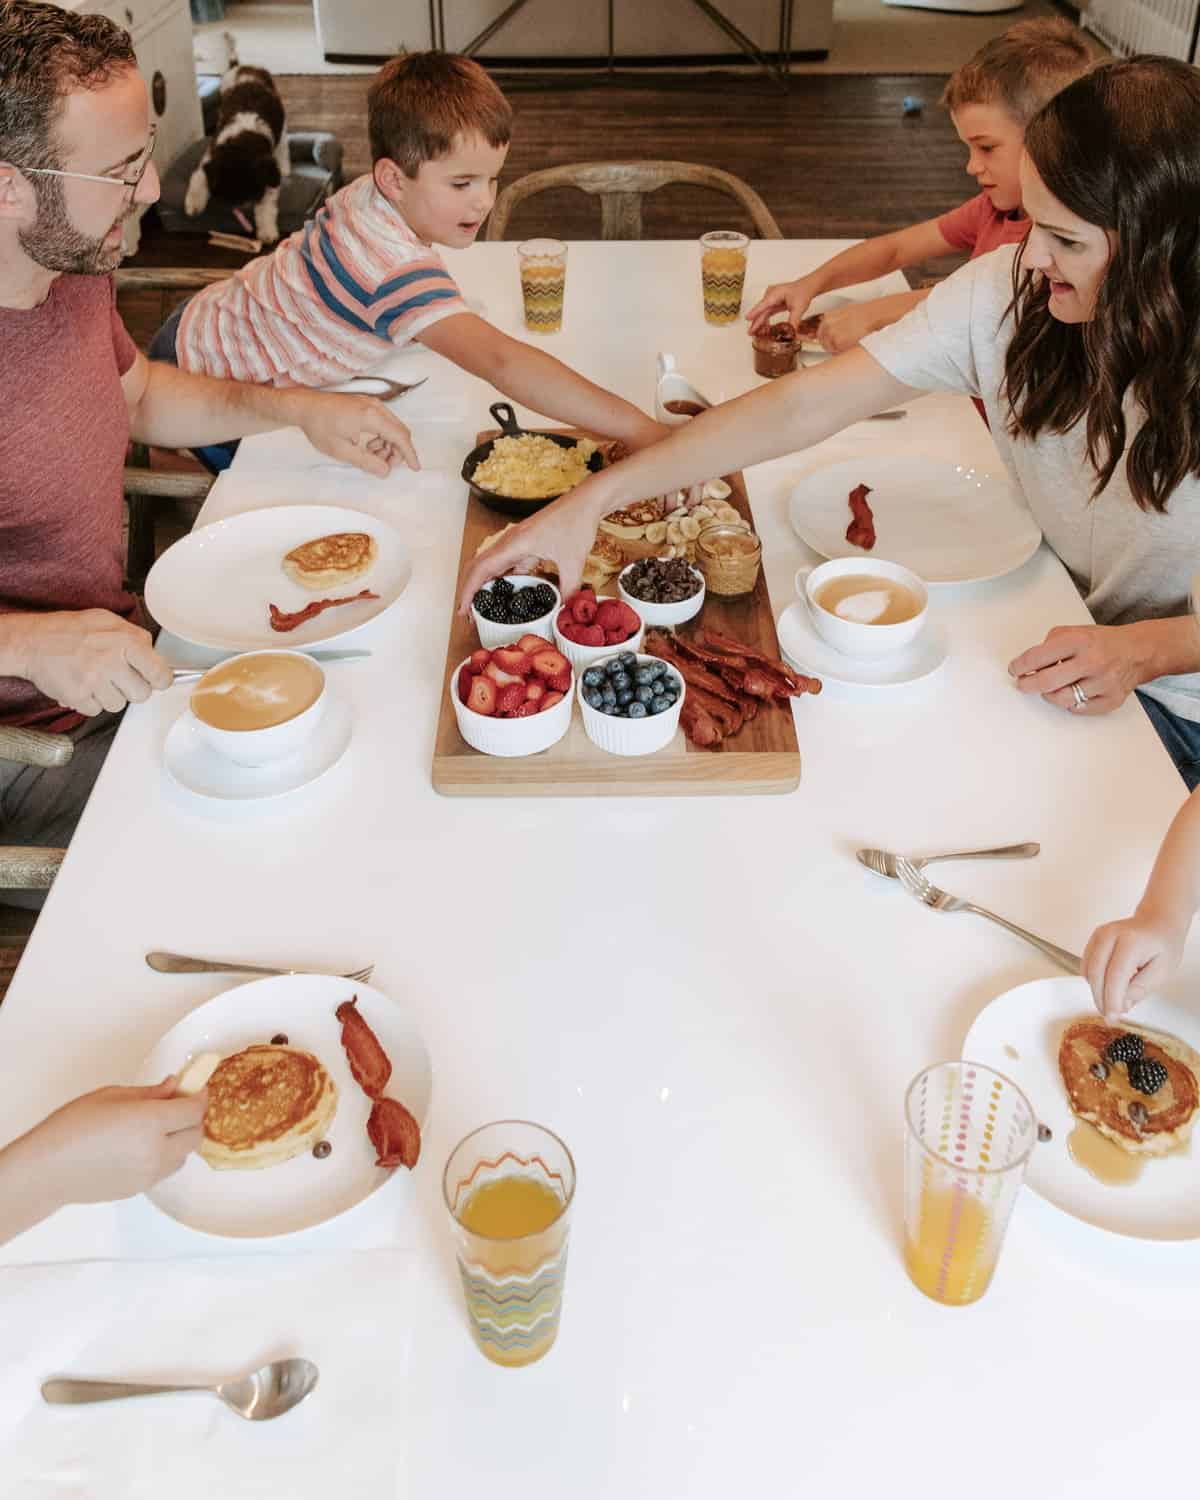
(329, 561)
(604, 561)
(266, 1104)
(1138, 1087)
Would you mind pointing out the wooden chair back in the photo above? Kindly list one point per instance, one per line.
(620, 186)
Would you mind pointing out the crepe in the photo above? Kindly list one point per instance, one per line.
(266, 1104)
(330, 561)
(1105, 1102)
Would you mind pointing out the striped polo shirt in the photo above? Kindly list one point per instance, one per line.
(330, 301)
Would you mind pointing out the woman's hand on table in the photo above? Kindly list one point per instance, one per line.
(1106, 661)
(791, 297)
(358, 430)
(1125, 960)
(89, 660)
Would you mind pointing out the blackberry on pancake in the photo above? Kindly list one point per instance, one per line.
(1102, 1071)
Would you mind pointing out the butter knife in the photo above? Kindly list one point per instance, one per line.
(190, 674)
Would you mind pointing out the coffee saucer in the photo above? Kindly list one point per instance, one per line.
(805, 650)
(196, 767)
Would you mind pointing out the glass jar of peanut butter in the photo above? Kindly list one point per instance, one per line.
(775, 350)
(729, 557)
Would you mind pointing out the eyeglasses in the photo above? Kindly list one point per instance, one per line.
(130, 181)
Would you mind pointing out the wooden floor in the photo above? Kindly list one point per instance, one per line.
(835, 157)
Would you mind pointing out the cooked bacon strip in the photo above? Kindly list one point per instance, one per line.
(368, 1061)
(861, 530)
(699, 726)
(692, 672)
(725, 715)
(797, 681)
(281, 620)
(394, 1133)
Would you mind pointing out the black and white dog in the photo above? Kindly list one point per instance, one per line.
(248, 157)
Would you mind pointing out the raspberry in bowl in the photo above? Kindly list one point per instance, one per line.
(587, 628)
(631, 703)
(515, 700)
(665, 591)
(508, 608)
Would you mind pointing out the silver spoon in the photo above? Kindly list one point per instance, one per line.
(882, 862)
(258, 1397)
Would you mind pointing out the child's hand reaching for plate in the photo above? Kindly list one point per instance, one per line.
(1124, 961)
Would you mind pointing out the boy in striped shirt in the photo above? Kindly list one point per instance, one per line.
(364, 277)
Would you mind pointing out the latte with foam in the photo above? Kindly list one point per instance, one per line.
(868, 599)
(257, 692)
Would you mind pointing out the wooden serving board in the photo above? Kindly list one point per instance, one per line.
(762, 757)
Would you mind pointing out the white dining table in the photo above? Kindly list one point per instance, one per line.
(708, 998)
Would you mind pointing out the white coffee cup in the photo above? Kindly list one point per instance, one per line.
(257, 747)
(861, 637)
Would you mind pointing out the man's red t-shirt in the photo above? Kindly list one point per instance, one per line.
(63, 436)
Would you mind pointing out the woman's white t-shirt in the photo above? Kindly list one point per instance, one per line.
(1128, 564)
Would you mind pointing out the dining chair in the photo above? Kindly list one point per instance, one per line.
(25, 868)
(621, 185)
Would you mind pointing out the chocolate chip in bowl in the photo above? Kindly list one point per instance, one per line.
(663, 590)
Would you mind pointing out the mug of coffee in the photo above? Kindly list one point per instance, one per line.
(864, 606)
(259, 707)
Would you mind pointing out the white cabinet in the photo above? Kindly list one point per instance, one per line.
(162, 39)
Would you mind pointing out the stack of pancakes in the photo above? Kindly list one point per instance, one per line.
(328, 562)
(1105, 1101)
(266, 1104)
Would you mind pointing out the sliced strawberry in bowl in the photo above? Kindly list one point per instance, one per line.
(509, 699)
(549, 701)
(560, 682)
(499, 676)
(549, 663)
(535, 690)
(482, 696)
(465, 678)
(510, 659)
(479, 659)
(531, 643)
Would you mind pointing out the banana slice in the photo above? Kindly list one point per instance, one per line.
(716, 489)
(679, 513)
(702, 513)
(656, 532)
(729, 515)
(674, 532)
(690, 529)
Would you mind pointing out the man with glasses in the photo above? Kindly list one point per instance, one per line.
(75, 161)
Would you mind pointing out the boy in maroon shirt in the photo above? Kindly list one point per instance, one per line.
(991, 99)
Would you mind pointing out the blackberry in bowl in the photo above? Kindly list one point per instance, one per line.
(508, 608)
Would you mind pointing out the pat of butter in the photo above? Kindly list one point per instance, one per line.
(197, 1073)
(864, 607)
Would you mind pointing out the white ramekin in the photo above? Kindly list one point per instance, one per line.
(492, 635)
(509, 736)
(621, 736)
(663, 614)
(581, 657)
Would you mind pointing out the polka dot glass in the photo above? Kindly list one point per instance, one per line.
(969, 1134)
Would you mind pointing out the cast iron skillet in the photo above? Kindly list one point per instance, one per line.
(510, 505)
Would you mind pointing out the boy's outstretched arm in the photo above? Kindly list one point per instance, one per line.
(875, 257)
(1125, 960)
(538, 380)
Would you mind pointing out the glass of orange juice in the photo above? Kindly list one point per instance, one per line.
(722, 274)
(543, 283)
(969, 1133)
(509, 1187)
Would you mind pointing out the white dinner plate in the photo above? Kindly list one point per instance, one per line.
(948, 522)
(1164, 1202)
(197, 767)
(212, 587)
(304, 1191)
(808, 653)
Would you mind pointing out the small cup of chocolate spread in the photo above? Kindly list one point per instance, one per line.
(775, 350)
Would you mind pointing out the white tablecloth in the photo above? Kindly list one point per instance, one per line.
(715, 1005)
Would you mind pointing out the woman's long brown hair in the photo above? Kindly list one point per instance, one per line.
(1120, 149)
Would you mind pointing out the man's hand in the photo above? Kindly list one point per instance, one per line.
(1105, 660)
(791, 297)
(843, 327)
(1124, 961)
(88, 660)
(115, 1142)
(358, 430)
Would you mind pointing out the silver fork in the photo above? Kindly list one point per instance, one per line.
(929, 895)
(881, 862)
(180, 963)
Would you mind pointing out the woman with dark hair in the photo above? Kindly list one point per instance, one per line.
(1083, 342)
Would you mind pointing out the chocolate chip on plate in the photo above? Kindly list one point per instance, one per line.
(321, 1150)
(279, 1039)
